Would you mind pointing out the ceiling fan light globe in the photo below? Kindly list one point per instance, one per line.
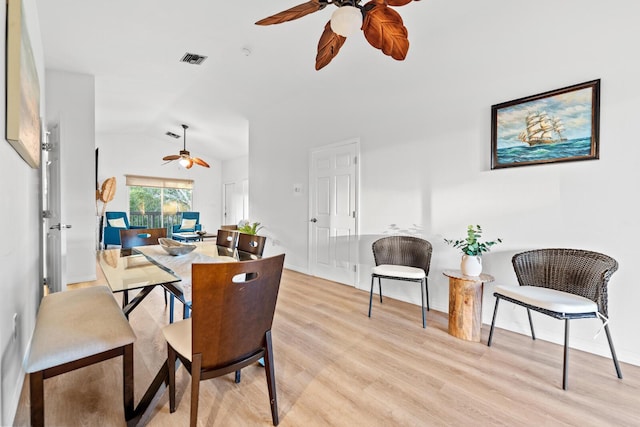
(346, 20)
(185, 162)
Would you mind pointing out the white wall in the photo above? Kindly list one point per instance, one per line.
(71, 103)
(424, 128)
(20, 255)
(133, 154)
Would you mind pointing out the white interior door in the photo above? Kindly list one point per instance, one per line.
(236, 202)
(333, 206)
(228, 214)
(54, 242)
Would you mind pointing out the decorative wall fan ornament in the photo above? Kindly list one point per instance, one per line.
(382, 26)
(185, 157)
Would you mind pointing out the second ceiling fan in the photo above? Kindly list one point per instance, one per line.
(185, 157)
(382, 26)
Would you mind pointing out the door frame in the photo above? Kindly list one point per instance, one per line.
(355, 141)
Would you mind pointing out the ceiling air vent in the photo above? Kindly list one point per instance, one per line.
(193, 58)
(172, 135)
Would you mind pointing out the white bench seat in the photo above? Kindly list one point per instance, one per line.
(75, 329)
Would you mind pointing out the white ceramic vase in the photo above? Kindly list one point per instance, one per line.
(471, 265)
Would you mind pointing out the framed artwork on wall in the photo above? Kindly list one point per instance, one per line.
(556, 126)
(23, 88)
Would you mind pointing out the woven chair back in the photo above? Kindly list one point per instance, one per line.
(403, 250)
(575, 271)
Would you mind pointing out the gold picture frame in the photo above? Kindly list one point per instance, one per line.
(22, 88)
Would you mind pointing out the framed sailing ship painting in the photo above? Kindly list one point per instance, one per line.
(557, 126)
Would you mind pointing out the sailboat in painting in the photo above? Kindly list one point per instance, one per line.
(542, 129)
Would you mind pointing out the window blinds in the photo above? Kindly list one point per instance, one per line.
(151, 181)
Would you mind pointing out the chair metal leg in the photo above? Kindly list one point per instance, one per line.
(165, 297)
(424, 321)
(380, 288)
(613, 351)
(238, 376)
(171, 304)
(371, 296)
(186, 311)
(426, 288)
(533, 334)
(493, 321)
(565, 372)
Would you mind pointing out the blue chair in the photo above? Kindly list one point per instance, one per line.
(114, 222)
(187, 224)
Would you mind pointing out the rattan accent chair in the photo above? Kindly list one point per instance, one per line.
(404, 258)
(562, 283)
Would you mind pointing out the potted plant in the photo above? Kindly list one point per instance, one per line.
(472, 249)
(249, 228)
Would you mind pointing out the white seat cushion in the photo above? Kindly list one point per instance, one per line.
(75, 324)
(401, 271)
(548, 299)
(178, 336)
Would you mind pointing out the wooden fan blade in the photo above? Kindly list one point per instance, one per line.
(383, 28)
(328, 46)
(190, 164)
(294, 13)
(199, 161)
(399, 2)
(171, 157)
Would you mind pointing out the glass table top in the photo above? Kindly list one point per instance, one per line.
(135, 271)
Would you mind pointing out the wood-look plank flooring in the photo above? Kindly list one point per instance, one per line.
(337, 367)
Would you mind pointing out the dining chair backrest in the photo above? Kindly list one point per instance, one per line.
(232, 316)
(141, 237)
(251, 243)
(227, 238)
(229, 227)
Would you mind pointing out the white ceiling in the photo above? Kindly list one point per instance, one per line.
(133, 48)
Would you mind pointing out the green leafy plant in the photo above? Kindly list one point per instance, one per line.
(249, 228)
(472, 244)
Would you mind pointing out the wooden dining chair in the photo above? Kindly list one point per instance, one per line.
(251, 243)
(230, 327)
(140, 237)
(131, 238)
(227, 238)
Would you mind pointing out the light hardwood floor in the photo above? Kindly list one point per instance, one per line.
(337, 367)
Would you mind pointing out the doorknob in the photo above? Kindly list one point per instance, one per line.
(313, 220)
(59, 226)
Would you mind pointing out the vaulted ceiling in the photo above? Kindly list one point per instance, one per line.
(133, 48)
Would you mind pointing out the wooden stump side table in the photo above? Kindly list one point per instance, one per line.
(465, 304)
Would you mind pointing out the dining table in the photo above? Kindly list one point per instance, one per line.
(146, 267)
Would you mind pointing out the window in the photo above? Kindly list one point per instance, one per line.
(158, 202)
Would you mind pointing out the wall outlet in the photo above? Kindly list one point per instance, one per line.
(15, 326)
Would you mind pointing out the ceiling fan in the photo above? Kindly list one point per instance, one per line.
(382, 26)
(185, 157)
